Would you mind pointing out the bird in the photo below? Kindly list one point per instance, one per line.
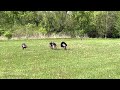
(64, 45)
(24, 46)
(53, 45)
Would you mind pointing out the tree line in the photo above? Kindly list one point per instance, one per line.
(93, 24)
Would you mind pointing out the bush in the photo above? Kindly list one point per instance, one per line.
(8, 35)
(1, 32)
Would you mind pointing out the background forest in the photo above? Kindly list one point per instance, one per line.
(39, 24)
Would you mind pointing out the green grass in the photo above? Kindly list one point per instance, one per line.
(84, 59)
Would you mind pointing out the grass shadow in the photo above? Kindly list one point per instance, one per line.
(61, 49)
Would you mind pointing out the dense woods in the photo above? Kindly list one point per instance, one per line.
(93, 24)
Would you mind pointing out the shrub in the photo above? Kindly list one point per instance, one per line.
(8, 35)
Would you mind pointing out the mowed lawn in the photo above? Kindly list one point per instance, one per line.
(84, 59)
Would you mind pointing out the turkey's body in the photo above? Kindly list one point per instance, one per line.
(64, 45)
(53, 45)
(24, 46)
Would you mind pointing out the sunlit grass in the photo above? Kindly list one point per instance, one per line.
(86, 59)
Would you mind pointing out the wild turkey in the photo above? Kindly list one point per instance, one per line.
(64, 45)
(52, 45)
(24, 46)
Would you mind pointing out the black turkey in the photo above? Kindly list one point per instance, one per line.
(52, 45)
(24, 46)
(64, 45)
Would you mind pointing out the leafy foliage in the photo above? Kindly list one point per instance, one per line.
(8, 34)
(72, 23)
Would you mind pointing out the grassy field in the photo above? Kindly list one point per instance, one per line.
(84, 59)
